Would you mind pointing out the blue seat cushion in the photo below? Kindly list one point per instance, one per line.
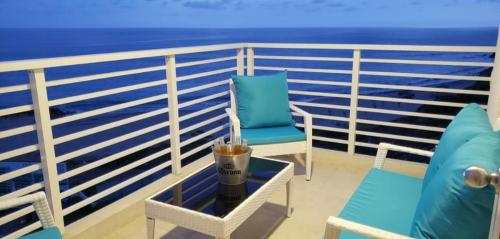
(470, 122)
(385, 200)
(262, 101)
(448, 207)
(47, 233)
(272, 135)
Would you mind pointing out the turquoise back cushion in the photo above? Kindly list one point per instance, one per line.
(448, 208)
(471, 121)
(262, 101)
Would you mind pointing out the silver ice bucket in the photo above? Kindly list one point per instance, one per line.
(232, 163)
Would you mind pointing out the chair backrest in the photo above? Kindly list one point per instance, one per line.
(232, 95)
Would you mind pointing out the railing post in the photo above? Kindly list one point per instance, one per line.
(173, 114)
(494, 96)
(240, 61)
(250, 61)
(46, 144)
(353, 112)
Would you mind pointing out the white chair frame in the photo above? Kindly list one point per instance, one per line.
(298, 147)
(39, 201)
(335, 225)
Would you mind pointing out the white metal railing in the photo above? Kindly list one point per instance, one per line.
(188, 128)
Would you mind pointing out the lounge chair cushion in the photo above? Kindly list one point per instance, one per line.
(272, 135)
(448, 207)
(262, 101)
(47, 233)
(384, 200)
(470, 122)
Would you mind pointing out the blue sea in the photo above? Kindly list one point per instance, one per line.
(18, 44)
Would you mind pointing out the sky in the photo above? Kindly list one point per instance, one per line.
(248, 13)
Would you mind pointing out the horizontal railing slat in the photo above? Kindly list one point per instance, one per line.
(111, 158)
(103, 76)
(319, 82)
(111, 125)
(110, 142)
(204, 111)
(368, 145)
(429, 76)
(400, 125)
(325, 128)
(303, 58)
(17, 214)
(321, 105)
(17, 131)
(107, 57)
(203, 123)
(108, 109)
(199, 148)
(115, 188)
(400, 137)
(412, 101)
(202, 62)
(23, 191)
(309, 70)
(375, 47)
(19, 151)
(76, 98)
(405, 113)
(422, 62)
(205, 74)
(203, 87)
(16, 173)
(113, 173)
(425, 89)
(203, 99)
(331, 140)
(315, 93)
(16, 110)
(203, 135)
(327, 117)
(14, 88)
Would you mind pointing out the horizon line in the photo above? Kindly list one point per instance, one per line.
(267, 27)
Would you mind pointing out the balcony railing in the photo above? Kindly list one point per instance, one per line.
(359, 95)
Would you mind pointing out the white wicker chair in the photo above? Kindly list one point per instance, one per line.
(297, 147)
(335, 225)
(40, 204)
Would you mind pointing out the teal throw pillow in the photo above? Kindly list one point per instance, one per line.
(448, 208)
(262, 101)
(470, 122)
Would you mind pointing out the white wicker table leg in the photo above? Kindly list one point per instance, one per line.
(150, 227)
(289, 198)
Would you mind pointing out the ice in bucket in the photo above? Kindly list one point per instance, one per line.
(231, 161)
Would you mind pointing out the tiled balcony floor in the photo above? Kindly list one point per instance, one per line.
(335, 177)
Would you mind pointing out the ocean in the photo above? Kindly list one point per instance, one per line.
(18, 44)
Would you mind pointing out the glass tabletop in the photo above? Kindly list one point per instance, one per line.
(203, 193)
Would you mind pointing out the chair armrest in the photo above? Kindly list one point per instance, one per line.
(300, 111)
(383, 149)
(39, 202)
(235, 123)
(307, 122)
(334, 225)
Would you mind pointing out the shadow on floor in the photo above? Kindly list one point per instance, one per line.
(259, 226)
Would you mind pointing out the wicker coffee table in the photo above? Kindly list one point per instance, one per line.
(200, 203)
